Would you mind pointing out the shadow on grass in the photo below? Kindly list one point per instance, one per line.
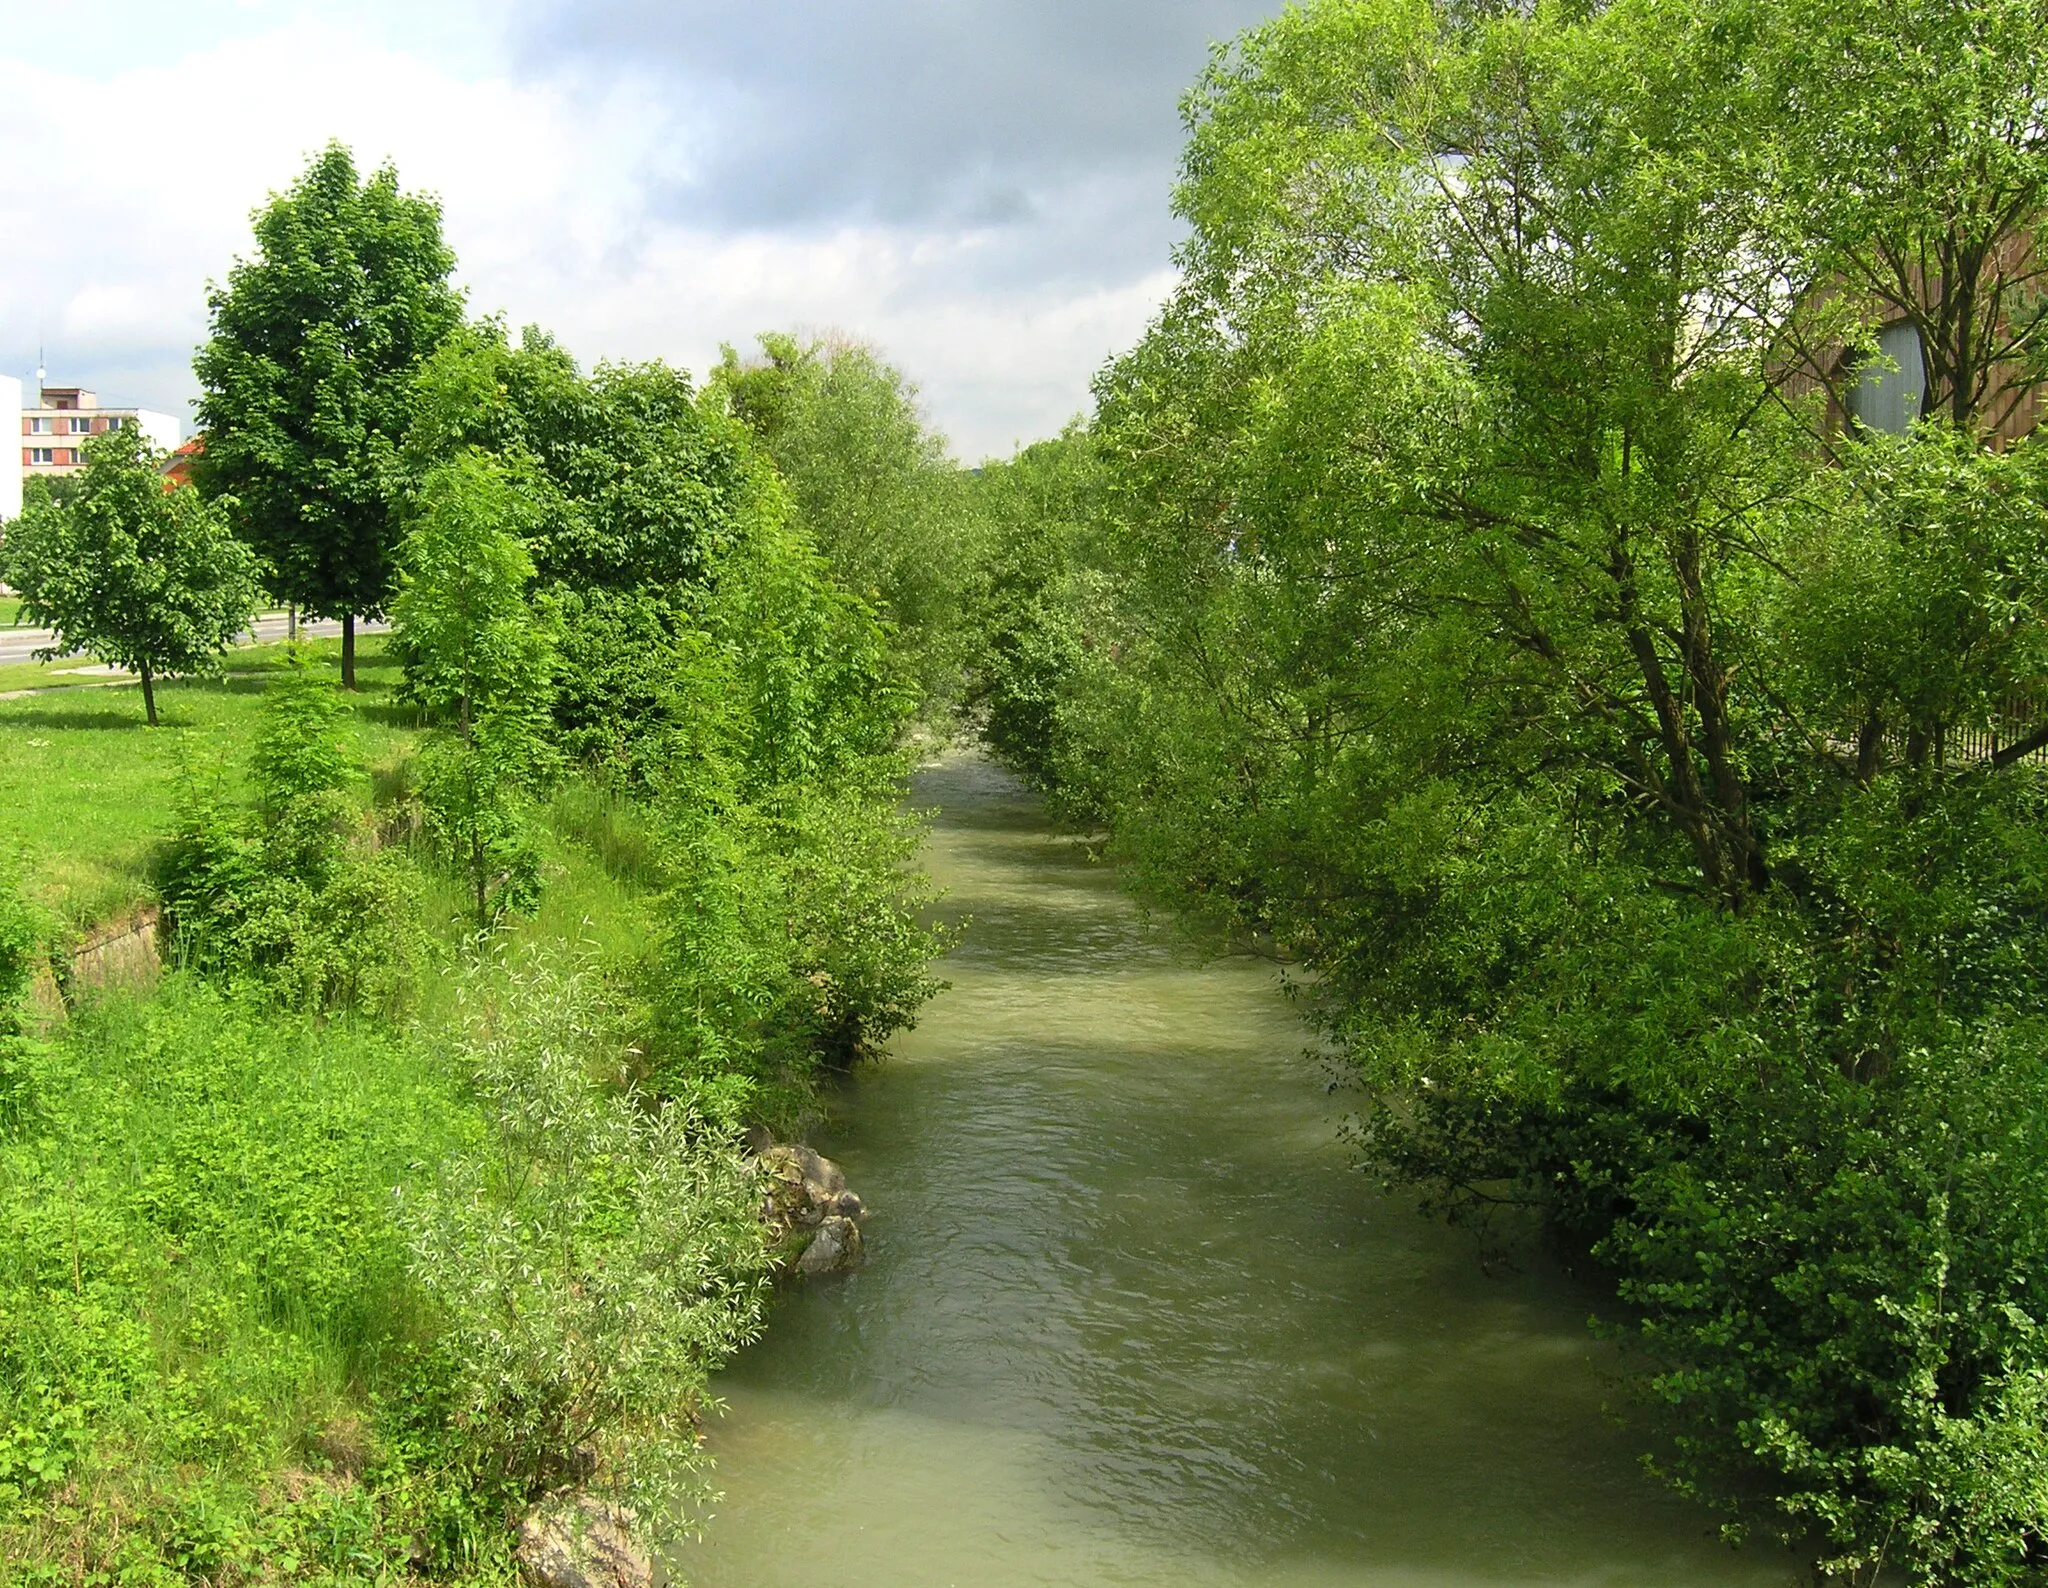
(392, 713)
(241, 681)
(110, 717)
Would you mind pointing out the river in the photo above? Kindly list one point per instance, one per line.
(1130, 1317)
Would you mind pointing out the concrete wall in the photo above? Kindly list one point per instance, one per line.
(162, 431)
(10, 452)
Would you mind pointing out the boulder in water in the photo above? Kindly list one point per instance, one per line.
(811, 1216)
(835, 1249)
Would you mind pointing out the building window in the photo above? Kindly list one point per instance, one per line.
(1888, 393)
(40, 427)
(42, 454)
(81, 427)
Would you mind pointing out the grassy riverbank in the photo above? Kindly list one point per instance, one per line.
(313, 1272)
(217, 1339)
(85, 787)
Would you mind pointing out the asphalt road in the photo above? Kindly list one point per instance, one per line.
(21, 644)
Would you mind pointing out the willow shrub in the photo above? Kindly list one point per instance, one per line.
(590, 1266)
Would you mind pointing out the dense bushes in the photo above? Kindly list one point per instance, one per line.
(590, 1265)
(318, 1265)
(293, 895)
(734, 690)
(1481, 611)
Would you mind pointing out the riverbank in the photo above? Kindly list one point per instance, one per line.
(342, 1243)
(1130, 1315)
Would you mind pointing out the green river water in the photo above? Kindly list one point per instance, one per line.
(1131, 1317)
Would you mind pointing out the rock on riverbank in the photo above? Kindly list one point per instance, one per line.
(813, 1220)
(573, 1540)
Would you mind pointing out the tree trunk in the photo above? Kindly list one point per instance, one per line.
(291, 622)
(148, 694)
(348, 650)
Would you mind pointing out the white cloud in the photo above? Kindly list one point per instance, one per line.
(135, 182)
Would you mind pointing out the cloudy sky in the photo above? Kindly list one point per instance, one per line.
(979, 186)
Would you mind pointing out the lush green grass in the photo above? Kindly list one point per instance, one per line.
(86, 788)
(202, 1293)
(65, 673)
(197, 1258)
(10, 610)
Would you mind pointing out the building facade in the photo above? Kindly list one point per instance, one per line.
(55, 430)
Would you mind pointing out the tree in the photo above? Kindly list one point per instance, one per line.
(1478, 621)
(308, 380)
(1035, 511)
(630, 484)
(1911, 174)
(872, 483)
(478, 656)
(147, 578)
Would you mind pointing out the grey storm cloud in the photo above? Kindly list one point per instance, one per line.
(1058, 116)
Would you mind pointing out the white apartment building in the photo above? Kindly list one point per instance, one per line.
(54, 432)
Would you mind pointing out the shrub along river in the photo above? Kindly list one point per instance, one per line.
(1131, 1317)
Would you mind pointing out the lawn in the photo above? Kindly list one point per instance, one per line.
(86, 788)
(10, 611)
(66, 673)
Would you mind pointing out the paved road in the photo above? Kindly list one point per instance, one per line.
(21, 644)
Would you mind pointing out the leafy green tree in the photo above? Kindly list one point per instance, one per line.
(480, 658)
(1037, 512)
(631, 485)
(655, 522)
(1478, 614)
(149, 579)
(1910, 165)
(871, 482)
(711, 671)
(307, 380)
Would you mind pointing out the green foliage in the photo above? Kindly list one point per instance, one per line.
(149, 579)
(293, 896)
(21, 947)
(708, 665)
(307, 377)
(1475, 610)
(23, 933)
(592, 1266)
(870, 483)
(642, 691)
(629, 483)
(794, 940)
(1909, 154)
(1029, 631)
(197, 1260)
(479, 657)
